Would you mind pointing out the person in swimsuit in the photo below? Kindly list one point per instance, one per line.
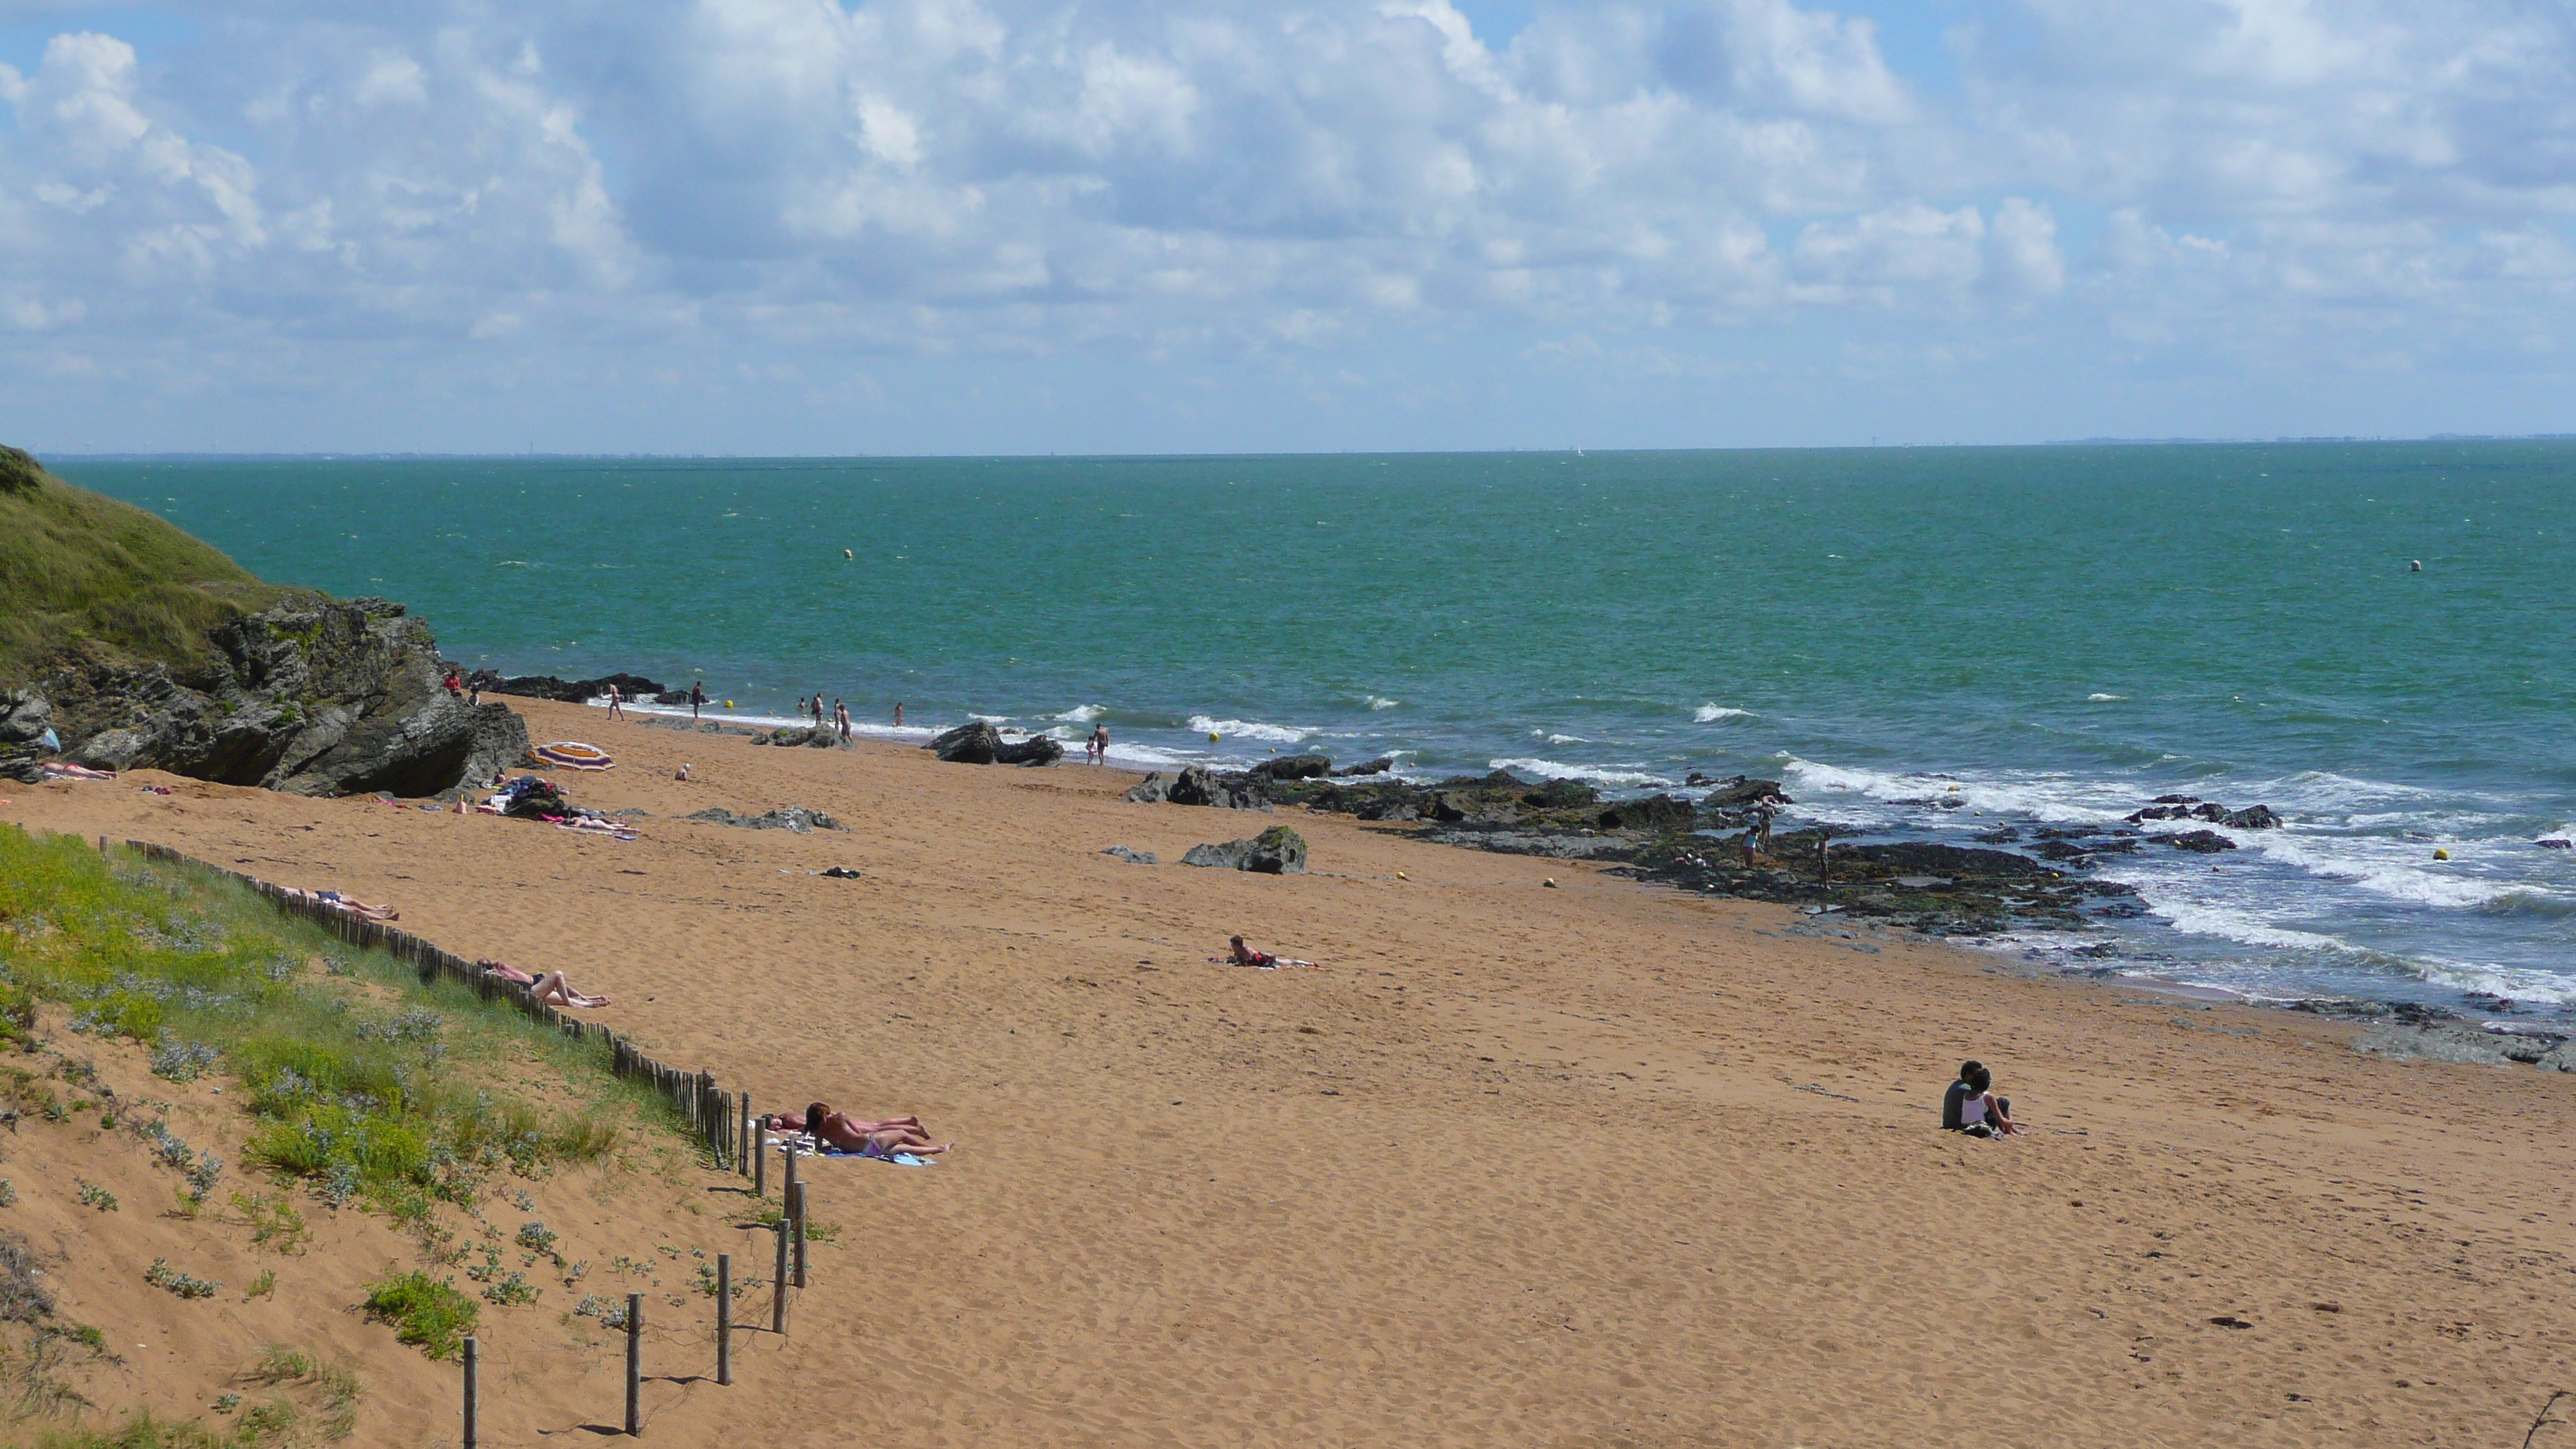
(868, 1139)
(616, 703)
(1098, 749)
(551, 988)
(697, 697)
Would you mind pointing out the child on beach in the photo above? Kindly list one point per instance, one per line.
(616, 703)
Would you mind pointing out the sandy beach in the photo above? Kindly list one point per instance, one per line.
(1586, 1165)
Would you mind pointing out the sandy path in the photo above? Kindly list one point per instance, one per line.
(1590, 1165)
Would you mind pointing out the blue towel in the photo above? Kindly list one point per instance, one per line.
(900, 1159)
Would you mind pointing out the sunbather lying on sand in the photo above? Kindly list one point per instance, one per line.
(551, 988)
(351, 904)
(852, 1134)
(1243, 955)
(66, 770)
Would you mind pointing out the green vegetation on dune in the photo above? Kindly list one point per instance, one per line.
(364, 1083)
(81, 572)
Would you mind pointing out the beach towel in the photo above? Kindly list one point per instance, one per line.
(574, 755)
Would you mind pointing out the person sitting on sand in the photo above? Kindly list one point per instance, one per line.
(1971, 1106)
(551, 988)
(852, 1134)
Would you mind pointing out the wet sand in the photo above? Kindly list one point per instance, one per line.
(1593, 1164)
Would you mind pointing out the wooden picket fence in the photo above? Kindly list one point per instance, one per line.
(715, 1117)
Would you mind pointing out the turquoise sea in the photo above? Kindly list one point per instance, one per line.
(2061, 632)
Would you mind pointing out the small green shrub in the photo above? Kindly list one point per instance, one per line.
(424, 1312)
(162, 1275)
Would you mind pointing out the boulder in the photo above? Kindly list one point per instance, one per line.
(1154, 789)
(316, 697)
(1378, 766)
(2253, 817)
(1199, 785)
(24, 716)
(2205, 842)
(1035, 750)
(1133, 857)
(789, 735)
(2175, 800)
(1275, 851)
(2555, 843)
(973, 743)
(1743, 790)
(1294, 767)
(1655, 812)
(2159, 812)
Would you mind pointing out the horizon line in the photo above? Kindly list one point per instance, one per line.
(341, 455)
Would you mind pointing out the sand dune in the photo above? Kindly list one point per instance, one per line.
(1600, 1164)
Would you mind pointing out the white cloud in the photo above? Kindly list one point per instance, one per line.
(1021, 178)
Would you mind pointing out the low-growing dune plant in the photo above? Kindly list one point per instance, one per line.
(424, 1311)
(364, 1081)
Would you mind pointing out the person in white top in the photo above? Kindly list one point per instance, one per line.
(1981, 1112)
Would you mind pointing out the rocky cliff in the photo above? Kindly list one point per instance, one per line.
(310, 694)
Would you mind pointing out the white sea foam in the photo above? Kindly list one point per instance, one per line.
(2208, 918)
(1598, 775)
(1567, 740)
(1083, 713)
(1380, 701)
(2046, 796)
(1247, 729)
(2513, 985)
(991, 719)
(1712, 712)
(2103, 698)
(2379, 876)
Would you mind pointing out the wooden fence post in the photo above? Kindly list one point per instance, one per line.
(796, 1213)
(760, 1164)
(778, 1291)
(473, 1368)
(635, 1365)
(724, 1318)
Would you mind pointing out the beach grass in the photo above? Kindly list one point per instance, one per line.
(364, 1083)
(83, 573)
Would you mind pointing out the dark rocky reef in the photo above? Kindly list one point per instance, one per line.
(317, 697)
(1198, 785)
(573, 691)
(2192, 807)
(795, 819)
(815, 737)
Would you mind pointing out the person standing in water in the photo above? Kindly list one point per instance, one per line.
(898, 714)
(697, 696)
(1098, 749)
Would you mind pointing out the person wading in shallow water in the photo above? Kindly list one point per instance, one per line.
(898, 714)
(697, 697)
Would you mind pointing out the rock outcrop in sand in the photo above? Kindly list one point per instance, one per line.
(330, 697)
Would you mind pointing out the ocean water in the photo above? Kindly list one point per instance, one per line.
(2061, 633)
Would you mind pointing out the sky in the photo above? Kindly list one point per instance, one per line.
(988, 226)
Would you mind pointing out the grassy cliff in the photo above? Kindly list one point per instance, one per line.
(85, 574)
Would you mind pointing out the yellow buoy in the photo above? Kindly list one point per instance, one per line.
(1212, 737)
(728, 704)
(2441, 855)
